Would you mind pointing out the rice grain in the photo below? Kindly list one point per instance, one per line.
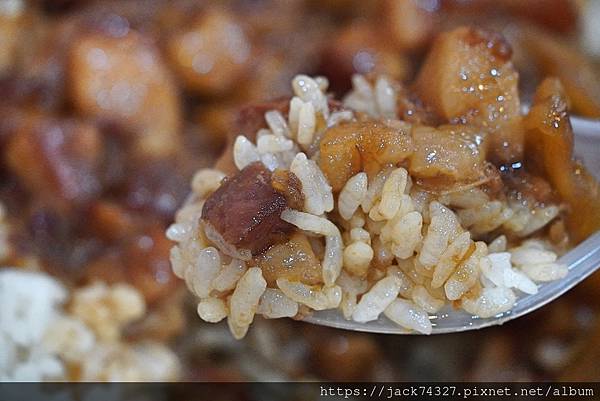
(374, 302)
(244, 301)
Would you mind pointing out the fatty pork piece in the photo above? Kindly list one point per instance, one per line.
(549, 143)
(447, 155)
(242, 217)
(468, 77)
(294, 260)
(57, 160)
(123, 79)
(348, 149)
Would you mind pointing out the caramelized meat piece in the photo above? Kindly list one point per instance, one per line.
(550, 149)
(340, 156)
(347, 149)
(58, 160)
(468, 77)
(294, 260)
(212, 54)
(447, 154)
(288, 184)
(465, 70)
(244, 213)
(123, 79)
(381, 145)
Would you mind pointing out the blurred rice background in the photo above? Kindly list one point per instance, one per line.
(108, 107)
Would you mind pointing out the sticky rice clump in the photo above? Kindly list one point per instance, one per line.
(372, 238)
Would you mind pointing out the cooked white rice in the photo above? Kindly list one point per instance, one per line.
(315, 297)
(244, 301)
(386, 246)
(44, 337)
(374, 302)
(408, 315)
(318, 197)
(352, 195)
(212, 310)
(275, 304)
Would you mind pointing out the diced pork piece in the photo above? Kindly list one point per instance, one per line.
(57, 158)
(212, 54)
(243, 216)
(123, 79)
(347, 149)
(468, 77)
(447, 154)
(381, 145)
(340, 155)
(293, 260)
(550, 150)
(289, 185)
